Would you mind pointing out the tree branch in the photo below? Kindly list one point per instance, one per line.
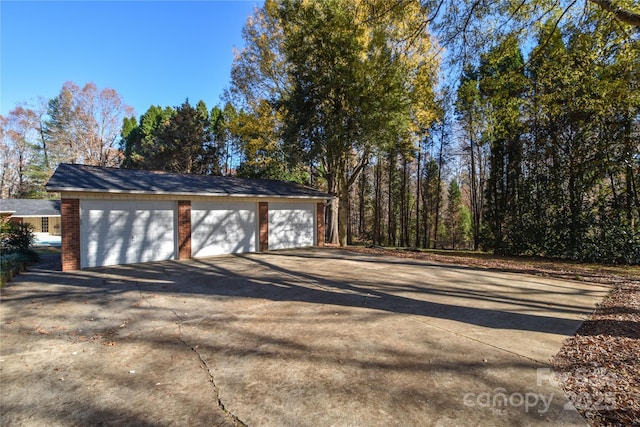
(621, 14)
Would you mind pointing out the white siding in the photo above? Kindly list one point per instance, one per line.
(223, 227)
(126, 231)
(291, 225)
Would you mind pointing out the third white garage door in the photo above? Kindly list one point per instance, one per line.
(291, 225)
(223, 227)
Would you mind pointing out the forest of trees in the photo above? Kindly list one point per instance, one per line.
(79, 125)
(431, 130)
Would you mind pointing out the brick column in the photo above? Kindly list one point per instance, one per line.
(184, 229)
(263, 226)
(70, 231)
(320, 224)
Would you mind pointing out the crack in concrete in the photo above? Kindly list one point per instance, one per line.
(232, 417)
(142, 296)
(461, 335)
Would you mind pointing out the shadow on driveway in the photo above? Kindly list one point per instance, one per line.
(257, 276)
(314, 337)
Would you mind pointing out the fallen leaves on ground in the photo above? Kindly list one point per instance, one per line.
(599, 367)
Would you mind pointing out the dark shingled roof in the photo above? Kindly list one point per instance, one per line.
(30, 207)
(71, 177)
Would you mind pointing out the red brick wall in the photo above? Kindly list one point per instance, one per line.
(184, 229)
(263, 226)
(70, 223)
(320, 224)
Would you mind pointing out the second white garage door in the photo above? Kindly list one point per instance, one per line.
(223, 228)
(125, 232)
(291, 225)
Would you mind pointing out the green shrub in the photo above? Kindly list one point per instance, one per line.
(15, 237)
(15, 249)
(614, 244)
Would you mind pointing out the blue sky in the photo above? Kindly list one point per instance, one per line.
(150, 52)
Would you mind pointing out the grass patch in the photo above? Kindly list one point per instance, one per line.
(47, 250)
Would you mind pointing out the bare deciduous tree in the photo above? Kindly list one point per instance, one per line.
(85, 124)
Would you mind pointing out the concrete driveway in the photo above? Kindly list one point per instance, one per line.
(317, 337)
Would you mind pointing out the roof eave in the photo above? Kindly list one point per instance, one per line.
(51, 215)
(180, 193)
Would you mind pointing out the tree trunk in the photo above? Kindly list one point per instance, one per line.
(377, 207)
(349, 222)
(392, 226)
(332, 212)
(631, 197)
(343, 211)
(438, 194)
(475, 211)
(361, 204)
(418, 185)
(426, 238)
(333, 221)
(405, 203)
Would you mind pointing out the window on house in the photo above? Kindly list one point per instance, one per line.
(45, 224)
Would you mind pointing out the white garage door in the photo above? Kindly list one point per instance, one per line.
(291, 225)
(125, 232)
(223, 228)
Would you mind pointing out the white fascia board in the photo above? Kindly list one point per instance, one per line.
(36, 216)
(171, 193)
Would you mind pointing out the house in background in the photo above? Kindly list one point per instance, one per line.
(43, 215)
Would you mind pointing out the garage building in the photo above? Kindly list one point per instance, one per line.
(122, 216)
